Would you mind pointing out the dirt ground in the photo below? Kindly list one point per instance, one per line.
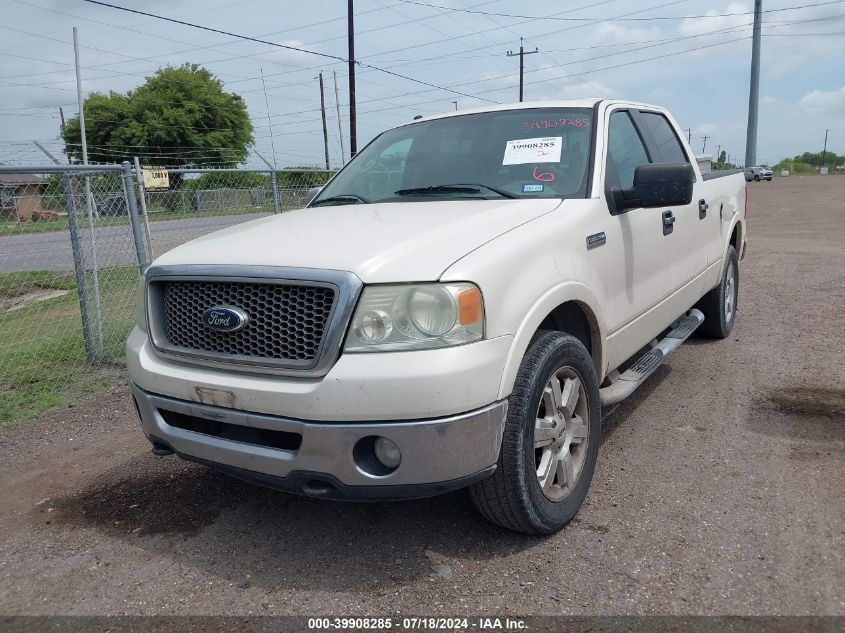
(719, 489)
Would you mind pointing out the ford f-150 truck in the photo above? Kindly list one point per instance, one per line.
(453, 309)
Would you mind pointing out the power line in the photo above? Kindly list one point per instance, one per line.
(615, 19)
(125, 28)
(220, 31)
(639, 61)
(284, 46)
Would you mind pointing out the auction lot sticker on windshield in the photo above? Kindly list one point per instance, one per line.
(533, 150)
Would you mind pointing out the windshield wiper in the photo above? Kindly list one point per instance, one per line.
(456, 188)
(344, 198)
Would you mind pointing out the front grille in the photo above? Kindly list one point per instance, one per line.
(287, 322)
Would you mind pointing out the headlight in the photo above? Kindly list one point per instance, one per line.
(140, 307)
(420, 316)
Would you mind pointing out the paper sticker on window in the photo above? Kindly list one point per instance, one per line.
(532, 188)
(533, 150)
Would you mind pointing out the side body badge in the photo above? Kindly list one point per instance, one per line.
(595, 240)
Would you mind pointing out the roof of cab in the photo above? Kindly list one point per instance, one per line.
(526, 105)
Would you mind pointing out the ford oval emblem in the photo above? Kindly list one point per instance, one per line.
(224, 319)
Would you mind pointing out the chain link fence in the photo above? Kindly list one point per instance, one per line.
(74, 241)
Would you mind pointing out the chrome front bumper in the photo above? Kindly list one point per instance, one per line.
(328, 459)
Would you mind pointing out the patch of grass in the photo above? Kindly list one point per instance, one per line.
(42, 350)
(19, 283)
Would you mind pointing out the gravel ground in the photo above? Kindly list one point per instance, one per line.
(719, 489)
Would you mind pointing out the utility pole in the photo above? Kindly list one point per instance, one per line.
(689, 135)
(79, 99)
(269, 121)
(325, 129)
(705, 137)
(754, 90)
(456, 105)
(339, 127)
(91, 207)
(48, 154)
(353, 121)
(824, 151)
(522, 55)
(62, 128)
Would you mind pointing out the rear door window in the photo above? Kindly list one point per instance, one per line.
(668, 148)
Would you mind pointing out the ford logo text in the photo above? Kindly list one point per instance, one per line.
(224, 319)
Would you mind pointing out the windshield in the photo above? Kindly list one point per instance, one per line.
(527, 153)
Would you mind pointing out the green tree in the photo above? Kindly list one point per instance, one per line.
(723, 157)
(303, 176)
(227, 180)
(809, 161)
(179, 116)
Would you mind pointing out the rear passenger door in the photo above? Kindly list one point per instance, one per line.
(689, 226)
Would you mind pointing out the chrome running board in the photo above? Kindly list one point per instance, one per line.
(625, 384)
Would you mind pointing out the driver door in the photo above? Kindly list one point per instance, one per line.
(640, 276)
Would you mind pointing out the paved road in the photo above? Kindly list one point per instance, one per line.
(114, 244)
(719, 489)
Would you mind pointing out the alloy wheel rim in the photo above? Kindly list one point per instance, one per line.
(730, 293)
(561, 434)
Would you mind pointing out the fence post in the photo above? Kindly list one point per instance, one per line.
(139, 175)
(132, 206)
(78, 267)
(277, 207)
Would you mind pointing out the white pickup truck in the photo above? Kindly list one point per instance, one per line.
(452, 310)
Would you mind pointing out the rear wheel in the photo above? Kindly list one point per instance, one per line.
(550, 443)
(719, 305)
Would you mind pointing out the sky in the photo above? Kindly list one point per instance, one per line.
(656, 51)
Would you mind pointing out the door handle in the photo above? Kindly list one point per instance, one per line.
(702, 209)
(668, 222)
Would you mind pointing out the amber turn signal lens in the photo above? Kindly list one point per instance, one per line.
(469, 306)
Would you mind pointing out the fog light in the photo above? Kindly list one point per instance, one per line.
(387, 452)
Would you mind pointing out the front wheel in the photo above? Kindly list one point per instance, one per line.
(550, 442)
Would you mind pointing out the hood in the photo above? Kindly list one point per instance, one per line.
(383, 242)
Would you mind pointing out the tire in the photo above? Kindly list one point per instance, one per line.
(756, 178)
(512, 497)
(720, 304)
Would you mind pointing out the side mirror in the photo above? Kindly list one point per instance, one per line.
(657, 185)
(312, 193)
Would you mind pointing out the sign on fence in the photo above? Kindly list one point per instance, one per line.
(156, 178)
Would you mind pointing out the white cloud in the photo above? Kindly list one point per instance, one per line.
(660, 96)
(707, 129)
(615, 32)
(289, 56)
(563, 87)
(700, 26)
(769, 100)
(821, 102)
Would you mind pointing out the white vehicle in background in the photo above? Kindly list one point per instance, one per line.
(758, 173)
(452, 310)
